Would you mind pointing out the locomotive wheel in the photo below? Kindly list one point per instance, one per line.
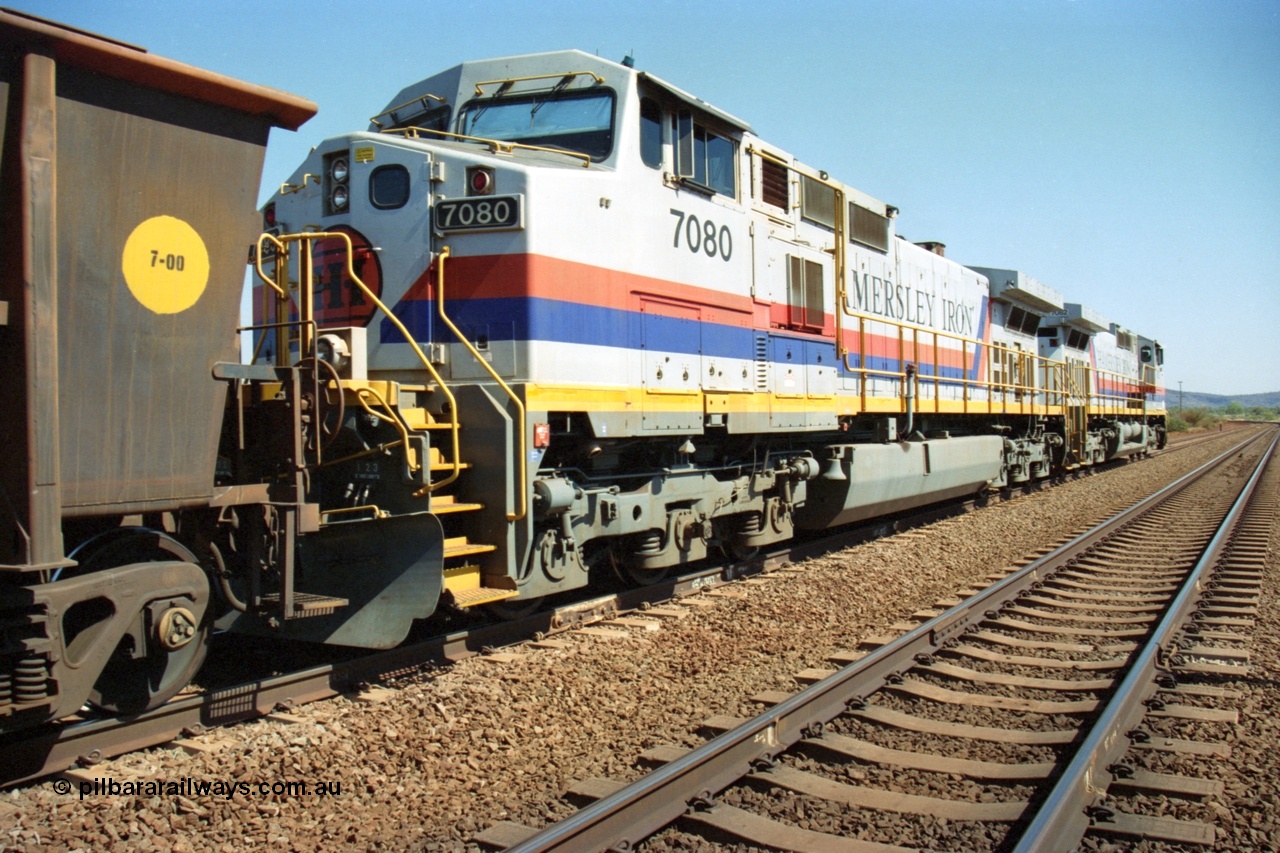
(175, 646)
(638, 578)
(738, 552)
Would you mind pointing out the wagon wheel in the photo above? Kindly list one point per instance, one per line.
(128, 684)
(327, 412)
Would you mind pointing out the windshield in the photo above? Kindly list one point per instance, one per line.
(577, 122)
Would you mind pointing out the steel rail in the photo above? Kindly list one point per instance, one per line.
(31, 754)
(622, 819)
(54, 747)
(1069, 810)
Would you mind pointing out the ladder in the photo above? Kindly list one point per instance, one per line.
(442, 460)
(1076, 414)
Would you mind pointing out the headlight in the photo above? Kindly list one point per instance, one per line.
(339, 198)
(338, 170)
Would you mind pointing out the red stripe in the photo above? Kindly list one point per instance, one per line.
(541, 277)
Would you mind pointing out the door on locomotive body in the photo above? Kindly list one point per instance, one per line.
(1125, 395)
(1064, 349)
(795, 277)
(695, 317)
(1005, 359)
(1076, 374)
(793, 242)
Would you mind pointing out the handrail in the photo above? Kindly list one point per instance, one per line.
(307, 239)
(257, 264)
(567, 75)
(362, 395)
(421, 99)
(521, 487)
(498, 146)
(911, 338)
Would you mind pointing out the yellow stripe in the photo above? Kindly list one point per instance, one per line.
(558, 398)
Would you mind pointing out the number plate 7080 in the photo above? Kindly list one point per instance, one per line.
(491, 212)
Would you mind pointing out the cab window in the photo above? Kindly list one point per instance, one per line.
(704, 158)
(389, 187)
(574, 121)
(651, 133)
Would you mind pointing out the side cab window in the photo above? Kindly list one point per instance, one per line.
(705, 159)
(651, 133)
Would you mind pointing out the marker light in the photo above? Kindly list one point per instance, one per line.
(479, 181)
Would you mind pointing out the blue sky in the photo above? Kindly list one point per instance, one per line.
(1124, 152)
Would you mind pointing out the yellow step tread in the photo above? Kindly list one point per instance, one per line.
(459, 546)
(441, 508)
(437, 462)
(451, 500)
(419, 419)
(481, 595)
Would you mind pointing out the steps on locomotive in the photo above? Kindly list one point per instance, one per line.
(437, 462)
(441, 504)
(464, 584)
(463, 581)
(421, 419)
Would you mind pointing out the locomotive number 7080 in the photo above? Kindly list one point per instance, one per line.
(702, 235)
(479, 213)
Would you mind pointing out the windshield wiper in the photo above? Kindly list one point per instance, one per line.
(484, 105)
(555, 90)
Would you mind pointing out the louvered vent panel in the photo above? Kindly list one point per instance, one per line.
(773, 184)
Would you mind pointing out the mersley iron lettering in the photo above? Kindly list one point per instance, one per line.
(874, 295)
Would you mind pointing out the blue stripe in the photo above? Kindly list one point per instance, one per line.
(523, 319)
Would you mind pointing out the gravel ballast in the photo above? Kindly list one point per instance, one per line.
(446, 754)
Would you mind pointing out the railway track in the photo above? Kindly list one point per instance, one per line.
(1023, 718)
(89, 741)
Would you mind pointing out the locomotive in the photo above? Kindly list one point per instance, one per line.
(547, 317)
(625, 332)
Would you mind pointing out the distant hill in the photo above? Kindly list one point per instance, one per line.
(1197, 400)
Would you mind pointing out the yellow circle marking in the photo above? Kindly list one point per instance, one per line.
(166, 264)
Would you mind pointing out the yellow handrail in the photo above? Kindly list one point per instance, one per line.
(521, 441)
(912, 338)
(506, 83)
(307, 239)
(388, 414)
(497, 146)
(421, 99)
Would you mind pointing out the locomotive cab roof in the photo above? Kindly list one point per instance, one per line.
(562, 71)
(1084, 317)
